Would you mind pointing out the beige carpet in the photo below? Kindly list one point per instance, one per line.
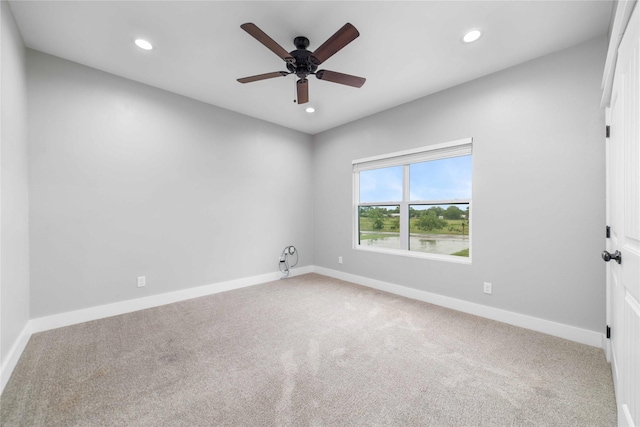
(306, 351)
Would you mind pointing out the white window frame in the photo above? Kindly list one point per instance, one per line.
(461, 147)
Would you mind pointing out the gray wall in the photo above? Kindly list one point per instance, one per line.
(14, 224)
(538, 188)
(128, 180)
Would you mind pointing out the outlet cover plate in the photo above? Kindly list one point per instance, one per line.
(487, 288)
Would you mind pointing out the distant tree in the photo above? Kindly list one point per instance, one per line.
(438, 210)
(429, 220)
(376, 216)
(453, 212)
(395, 224)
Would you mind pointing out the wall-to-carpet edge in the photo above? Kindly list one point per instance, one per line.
(41, 324)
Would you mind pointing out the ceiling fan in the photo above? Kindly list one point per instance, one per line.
(302, 62)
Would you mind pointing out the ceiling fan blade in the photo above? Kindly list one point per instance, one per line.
(263, 38)
(303, 91)
(340, 39)
(344, 79)
(263, 76)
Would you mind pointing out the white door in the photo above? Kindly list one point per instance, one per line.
(623, 199)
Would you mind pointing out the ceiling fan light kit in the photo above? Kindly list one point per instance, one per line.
(303, 62)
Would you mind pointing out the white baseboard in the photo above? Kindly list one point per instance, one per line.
(560, 330)
(41, 324)
(100, 312)
(626, 416)
(13, 356)
(54, 321)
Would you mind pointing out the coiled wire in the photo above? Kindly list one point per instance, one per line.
(284, 265)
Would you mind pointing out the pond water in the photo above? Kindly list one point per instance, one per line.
(440, 244)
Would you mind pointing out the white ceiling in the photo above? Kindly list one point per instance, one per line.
(406, 50)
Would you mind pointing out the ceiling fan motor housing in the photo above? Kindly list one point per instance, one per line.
(305, 63)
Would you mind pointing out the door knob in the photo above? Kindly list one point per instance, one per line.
(617, 256)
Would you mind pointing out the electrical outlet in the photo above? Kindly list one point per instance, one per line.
(339, 260)
(487, 288)
(142, 281)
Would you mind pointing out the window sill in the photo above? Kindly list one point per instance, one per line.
(415, 254)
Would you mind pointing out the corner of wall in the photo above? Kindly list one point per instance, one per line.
(14, 204)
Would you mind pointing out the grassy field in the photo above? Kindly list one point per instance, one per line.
(464, 252)
(393, 225)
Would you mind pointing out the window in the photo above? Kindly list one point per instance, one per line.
(415, 202)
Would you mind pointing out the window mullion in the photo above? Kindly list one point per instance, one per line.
(404, 209)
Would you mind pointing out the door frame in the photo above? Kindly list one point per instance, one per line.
(606, 342)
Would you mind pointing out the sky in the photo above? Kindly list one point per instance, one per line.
(444, 179)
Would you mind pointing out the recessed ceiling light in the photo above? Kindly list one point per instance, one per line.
(143, 44)
(471, 36)
(310, 110)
